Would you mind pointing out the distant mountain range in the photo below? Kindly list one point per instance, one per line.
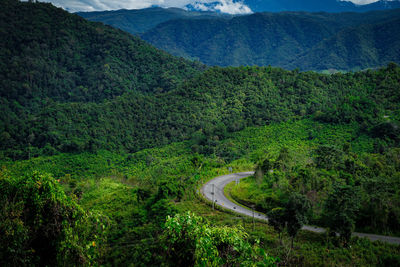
(318, 5)
(308, 41)
(141, 20)
(306, 5)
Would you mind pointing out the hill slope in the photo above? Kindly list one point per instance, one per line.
(141, 20)
(47, 115)
(316, 6)
(359, 47)
(277, 39)
(47, 52)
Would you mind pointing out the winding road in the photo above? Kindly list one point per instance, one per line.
(214, 191)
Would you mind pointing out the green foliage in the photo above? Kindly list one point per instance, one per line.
(307, 41)
(341, 209)
(138, 21)
(276, 218)
(296, 212)
(135, 190)
(40, 225)
(81, 78)
(335, 155)
(190, 241)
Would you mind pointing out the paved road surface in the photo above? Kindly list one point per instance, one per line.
(214, 191)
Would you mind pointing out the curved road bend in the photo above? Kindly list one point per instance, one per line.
(218, 184)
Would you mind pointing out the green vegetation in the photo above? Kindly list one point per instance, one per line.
(205, 109)
(137, 21)
(106, 174)
(190, 241)
(40, 225)
(318, 6)
(136, 192)
(307, 41)
(50, 58)
(358, 189)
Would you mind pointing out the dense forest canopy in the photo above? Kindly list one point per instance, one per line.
(138, 21)
(318, 6)
(105, 142)
(308, 41)
(48, 53)
(206, 108)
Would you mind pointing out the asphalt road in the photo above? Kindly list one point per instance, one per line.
(214, 191)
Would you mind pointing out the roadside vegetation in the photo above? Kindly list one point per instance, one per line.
(135, 193)
(105, 142)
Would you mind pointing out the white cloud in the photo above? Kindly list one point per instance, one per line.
(230, 7)
(361, 2)
(225, 6)
(97, 5)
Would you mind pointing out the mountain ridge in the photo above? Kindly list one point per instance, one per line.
(275, 39)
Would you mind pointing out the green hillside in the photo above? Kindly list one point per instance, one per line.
(205, 108)
(105, 142)
(48, 53)
(355, 48)
(138, 21)
(133, 192)
(308, 41)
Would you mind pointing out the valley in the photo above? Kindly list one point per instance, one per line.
(107, 142)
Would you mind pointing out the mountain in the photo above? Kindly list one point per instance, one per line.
(47, 52)
(304, 5)
(380, 5)
(355, 48)
(51, 56)
(141, 20)
(70, 85)
(276, 39)
(318, 6)
(335, 6)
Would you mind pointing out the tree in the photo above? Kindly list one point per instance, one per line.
(282, 162)
(277, 219)
(40, 225)
(327, 157)
(296, 213)
(340, 210)
(190, 241)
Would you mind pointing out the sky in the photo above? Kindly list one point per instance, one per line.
(225, 6)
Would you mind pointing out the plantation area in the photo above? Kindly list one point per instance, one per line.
(126, 193)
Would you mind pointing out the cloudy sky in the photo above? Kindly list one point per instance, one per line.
(226, 6)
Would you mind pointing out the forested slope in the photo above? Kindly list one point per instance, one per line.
(210, 105)
(352, 48)
(49, 53)
(85, 177)
(318, 6)
(141, 20)
(308, 41)
(48, 111)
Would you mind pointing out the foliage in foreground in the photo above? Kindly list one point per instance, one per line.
(190, 241)
(130, 189)
(40, 225)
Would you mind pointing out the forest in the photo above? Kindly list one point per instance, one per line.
(105, 142)
(320, 41)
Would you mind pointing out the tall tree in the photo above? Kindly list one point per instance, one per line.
(340, 210)
(296, 213)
